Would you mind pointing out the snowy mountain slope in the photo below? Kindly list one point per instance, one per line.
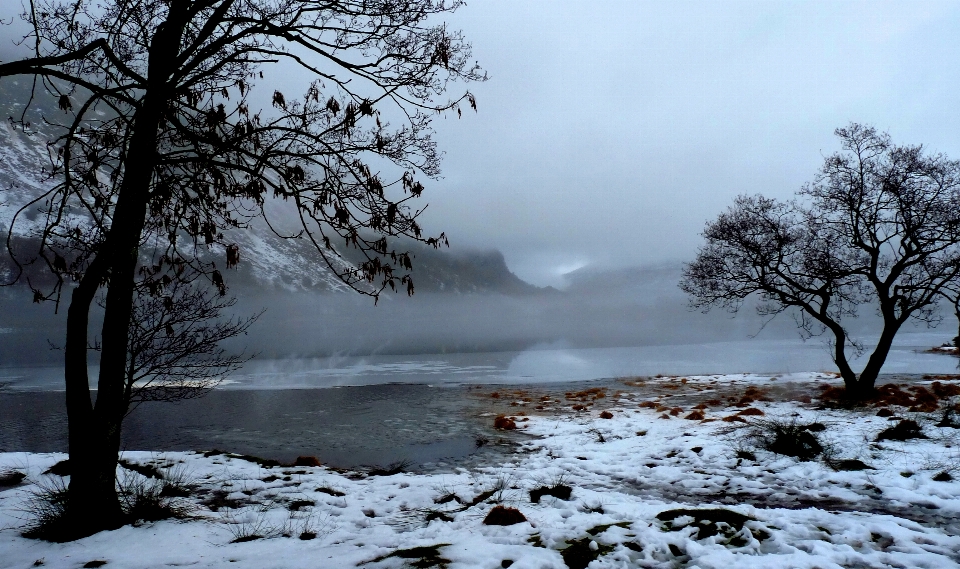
(266, 259)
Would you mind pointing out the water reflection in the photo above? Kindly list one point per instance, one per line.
(547, 364)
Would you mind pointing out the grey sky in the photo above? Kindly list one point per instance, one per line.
(609, 132)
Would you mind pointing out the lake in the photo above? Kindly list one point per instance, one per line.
(373, 410)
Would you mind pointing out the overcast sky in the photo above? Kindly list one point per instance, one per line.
(609, 132)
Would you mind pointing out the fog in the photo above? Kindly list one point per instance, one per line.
(634, 307)
(609, 132)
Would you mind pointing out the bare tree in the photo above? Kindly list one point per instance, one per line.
(951, 295)
(164, 150)
(879, 227)
(176, 349)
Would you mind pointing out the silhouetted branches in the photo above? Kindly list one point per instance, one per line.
(879, 226)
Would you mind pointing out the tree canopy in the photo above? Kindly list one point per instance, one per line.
(172, 135)
(879, 227)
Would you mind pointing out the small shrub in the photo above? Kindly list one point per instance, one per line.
(61, 468)
(848, 465)
(46, 509)
(263, 462)
(147, 470)
(330, 491)
(695, 416)
(397, 467)
(580, 553)
(504, 516)
(598, 434)
(884, 412)
(904, 430)
(945, 390)
(746, 455)
(751, 411)
(176, 483)
(218, 499)
(425, 556)
(606, 415)
(505, 423)
(710, 522)
(296, 505)
(247, 525)
(949, 420)
(943, 476)
(789, 438)
(557, 490)
(447, 498)
(307, 461)
(437, 515)
(593, 507)
(142, 499)
(304, 528)
(11, 478)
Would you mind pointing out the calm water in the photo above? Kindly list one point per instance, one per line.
(379, 409)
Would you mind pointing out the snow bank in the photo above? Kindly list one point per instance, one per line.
(647, 491)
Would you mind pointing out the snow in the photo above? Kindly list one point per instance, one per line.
(798, 514)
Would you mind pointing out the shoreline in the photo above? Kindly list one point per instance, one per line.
(643, 483)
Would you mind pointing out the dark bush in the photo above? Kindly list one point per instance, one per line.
(61, 468)
(848, 465)
(397, 467)
(307, 461)
(505, 423)
(579, 555)
(789, 438)
(504, 516)
(558, 490)
(11, 477)
(904, 430)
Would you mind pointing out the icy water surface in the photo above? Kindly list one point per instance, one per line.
(382, 409)
(547, 365)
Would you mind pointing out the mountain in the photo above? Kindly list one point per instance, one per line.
(267, 260)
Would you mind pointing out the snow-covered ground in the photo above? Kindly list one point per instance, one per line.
(739, 505)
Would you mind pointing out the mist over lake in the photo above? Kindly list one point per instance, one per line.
(532, 285)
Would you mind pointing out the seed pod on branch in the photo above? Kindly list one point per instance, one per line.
(233, 255)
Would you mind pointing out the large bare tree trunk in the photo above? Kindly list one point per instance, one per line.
(92, 498)
(95, 429)
(868, 377)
